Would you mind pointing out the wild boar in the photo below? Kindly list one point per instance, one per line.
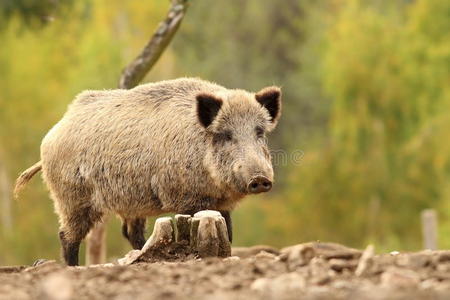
(179, 146)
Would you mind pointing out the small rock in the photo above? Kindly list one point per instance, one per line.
(319, 271)
(443, 255)
(107, 265)
(443, 276)
(341, 264)
(44, 266)
(365, 262)
(330, 250)
(245, 252)
(444, 267)
(261, 285)
(130, 257)
(413, 260)
(298, 256)
(265, 255)
(232, 258)
(342, 254)
(399, 278)
(39, 262)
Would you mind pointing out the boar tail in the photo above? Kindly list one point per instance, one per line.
(25, 177)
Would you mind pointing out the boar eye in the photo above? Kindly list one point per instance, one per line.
(224, 136)
(259, 132)
(227, 135)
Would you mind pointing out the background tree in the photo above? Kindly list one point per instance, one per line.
(33, 12)
(386, 158)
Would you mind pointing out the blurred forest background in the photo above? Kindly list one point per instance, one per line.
(366, 98)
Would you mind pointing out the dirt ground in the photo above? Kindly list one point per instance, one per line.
(306, 271)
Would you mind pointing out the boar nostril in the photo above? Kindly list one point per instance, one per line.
(259, 184)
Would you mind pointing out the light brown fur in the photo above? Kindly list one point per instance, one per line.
(143, 152)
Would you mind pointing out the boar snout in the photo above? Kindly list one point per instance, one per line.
(259, 184)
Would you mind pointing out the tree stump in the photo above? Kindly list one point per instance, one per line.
(204, 235)
(207, 244)
(224, 241)
(183, 228)
(211, 237)
(163, 234)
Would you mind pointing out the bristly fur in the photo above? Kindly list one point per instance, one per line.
(207, 108)
(270, 98)
(146, 151)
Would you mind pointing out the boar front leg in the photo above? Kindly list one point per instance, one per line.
(227, 216)
(133, 230)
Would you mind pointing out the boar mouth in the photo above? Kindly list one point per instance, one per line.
(259, 184)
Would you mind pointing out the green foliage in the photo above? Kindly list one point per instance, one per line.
(387, 156)
(253, 44)
(32, 12)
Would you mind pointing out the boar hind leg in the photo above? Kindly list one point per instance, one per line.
(133, 230)
(74, 229)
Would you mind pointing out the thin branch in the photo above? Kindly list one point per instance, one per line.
(139, 67)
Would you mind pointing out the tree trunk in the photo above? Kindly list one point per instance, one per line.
(5, 198)
(131, 76)
(429, 229)
(96, 245)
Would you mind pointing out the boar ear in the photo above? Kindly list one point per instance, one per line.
(207, 108)
(270, 98)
